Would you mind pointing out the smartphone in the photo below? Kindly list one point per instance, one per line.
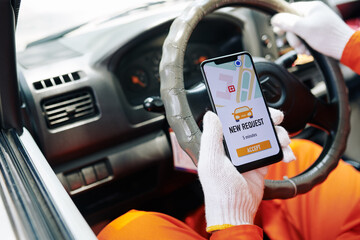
(250, 139)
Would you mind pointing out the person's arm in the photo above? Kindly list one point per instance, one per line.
(323, 30)
(231, 198)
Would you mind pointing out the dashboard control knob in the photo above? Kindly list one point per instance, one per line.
(154, 104)
(266, 41)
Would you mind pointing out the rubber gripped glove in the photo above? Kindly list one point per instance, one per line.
(319, 26)
(231, 198)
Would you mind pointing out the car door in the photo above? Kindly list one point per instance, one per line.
(33, 203)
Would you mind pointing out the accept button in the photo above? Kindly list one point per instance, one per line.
(257, 147)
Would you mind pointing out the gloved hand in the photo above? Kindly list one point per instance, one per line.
(319, 26)
(231, 198)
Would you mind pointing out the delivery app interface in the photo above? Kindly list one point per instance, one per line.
(238, 101)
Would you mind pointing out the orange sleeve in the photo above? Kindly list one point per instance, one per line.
(351, 53)
(243, 232)
(141, 225)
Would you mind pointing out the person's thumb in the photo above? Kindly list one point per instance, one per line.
(286, 22)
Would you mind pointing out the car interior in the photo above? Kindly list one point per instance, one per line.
(91, 100)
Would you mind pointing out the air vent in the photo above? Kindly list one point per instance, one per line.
(69, 108)
(58, 80)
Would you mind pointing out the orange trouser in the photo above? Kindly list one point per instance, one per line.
(329, 211)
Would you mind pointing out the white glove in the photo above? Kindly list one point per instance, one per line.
(319, 26)
(231, 198)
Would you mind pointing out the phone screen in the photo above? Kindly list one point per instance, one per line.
(236, 96)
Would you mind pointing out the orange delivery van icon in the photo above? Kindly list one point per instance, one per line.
(242, 112)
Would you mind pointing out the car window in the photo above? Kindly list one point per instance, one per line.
(40, 18)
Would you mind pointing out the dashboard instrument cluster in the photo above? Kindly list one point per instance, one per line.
(138, 72)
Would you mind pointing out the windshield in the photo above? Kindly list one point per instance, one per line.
(41, 18)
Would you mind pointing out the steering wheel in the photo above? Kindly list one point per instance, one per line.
(299, 105)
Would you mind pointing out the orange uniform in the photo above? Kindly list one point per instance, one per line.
(329, 211)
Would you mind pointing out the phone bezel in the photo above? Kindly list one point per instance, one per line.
(257, 163)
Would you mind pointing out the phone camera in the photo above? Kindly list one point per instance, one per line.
(238, 63)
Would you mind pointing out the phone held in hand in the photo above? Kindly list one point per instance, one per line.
(236, 97)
